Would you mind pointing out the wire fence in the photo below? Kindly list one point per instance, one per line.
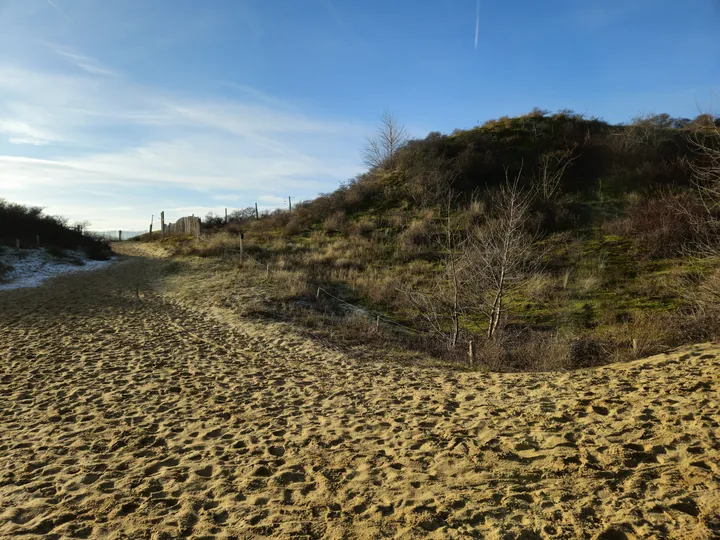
(116, 236)
(246, 256)
(379, 317)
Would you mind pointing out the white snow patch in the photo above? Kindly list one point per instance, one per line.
(31, 267)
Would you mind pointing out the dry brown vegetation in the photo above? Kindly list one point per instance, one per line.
(608, 258)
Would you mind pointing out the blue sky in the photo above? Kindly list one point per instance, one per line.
(113, 110)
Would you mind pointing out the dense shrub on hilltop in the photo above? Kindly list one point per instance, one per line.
(608, 161)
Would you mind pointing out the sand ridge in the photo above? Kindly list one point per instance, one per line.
(127, 412)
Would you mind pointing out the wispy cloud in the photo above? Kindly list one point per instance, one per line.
(99, 131)
(59, 10)
(86, 63)
(477, 24)
(19, 132)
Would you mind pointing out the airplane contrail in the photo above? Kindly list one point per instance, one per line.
(60, 10)
(477, 24)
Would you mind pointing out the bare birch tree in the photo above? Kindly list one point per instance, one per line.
(550, 171)
(499, 252)
(381, 148)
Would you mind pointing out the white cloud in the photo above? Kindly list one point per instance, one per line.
(19, 132)
(86, 63)
(96, 127)
(59, 10)
(273, 201)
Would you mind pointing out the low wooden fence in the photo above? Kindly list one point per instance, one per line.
(185, 225)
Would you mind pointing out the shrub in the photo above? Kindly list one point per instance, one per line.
(364, 226)
(26, 222)
(293, 227)
(335, 223)
(588, 352)
(542, 351)
(5, 269)
(418, 235)
(661, 226)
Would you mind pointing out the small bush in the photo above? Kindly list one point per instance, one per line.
(539, 285)
(5, 269)
(365, 226)
(335, 223)
(98, 252)
(660, 227)
(588, 352)
(395, 220)
(56, 252)
(417, 236)
(293, 227)
(542, 351)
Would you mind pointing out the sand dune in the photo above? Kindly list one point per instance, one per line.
(126, 412)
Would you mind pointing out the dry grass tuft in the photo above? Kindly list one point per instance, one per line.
(335, 223)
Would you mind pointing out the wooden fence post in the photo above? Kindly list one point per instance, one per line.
(226, 216)
(242, 251)
(37, 240)
(17, 244)
(119, 236)
(377, 323)
(471, 353)
(162, 224)
(267, 272)
(257, 215)
(317, 295)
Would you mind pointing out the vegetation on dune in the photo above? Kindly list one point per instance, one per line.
(549, 241)
(27, 223)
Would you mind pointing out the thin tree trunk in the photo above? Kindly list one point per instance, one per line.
(456, 318)
(497, 306)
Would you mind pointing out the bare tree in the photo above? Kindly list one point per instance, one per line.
(705, 139)
(381, 149)
(499, 252)
(245, 214)
(480, 267)
(550, 171)
(442, 306)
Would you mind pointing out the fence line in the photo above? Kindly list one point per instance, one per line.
(115, 235)
(379, 316)
(241, 252)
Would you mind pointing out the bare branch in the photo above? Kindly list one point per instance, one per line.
(500, 251)
(381, 148)
(550, 171)
(705, 140)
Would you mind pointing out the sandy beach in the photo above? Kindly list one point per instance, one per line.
(128, 411)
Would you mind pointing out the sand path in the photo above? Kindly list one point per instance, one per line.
(126, 415)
